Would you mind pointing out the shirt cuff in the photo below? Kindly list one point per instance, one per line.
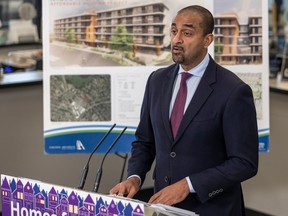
(191, 188)
(136, 177)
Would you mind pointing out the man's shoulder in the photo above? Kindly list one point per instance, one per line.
(166, 71)
(226, 74)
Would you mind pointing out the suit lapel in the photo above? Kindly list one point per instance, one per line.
(202, 93)
(166, 92)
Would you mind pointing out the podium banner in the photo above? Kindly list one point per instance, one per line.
(23, 197)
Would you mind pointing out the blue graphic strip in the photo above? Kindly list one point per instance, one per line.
(83, 139)
(264, 144)
(83, 142)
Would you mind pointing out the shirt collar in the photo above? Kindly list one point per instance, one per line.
(199, 69)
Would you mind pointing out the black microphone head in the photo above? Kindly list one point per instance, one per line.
(83, 177)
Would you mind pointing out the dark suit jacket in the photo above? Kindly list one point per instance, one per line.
(216, 145)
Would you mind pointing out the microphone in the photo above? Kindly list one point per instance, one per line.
(86, 167)
(99, 172)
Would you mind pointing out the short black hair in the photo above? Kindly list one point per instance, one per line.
(207, 17)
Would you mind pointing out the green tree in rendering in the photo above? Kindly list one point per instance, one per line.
(121, 40)
(218, 47)
(70, 35)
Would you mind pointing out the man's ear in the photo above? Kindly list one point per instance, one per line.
(208, 40)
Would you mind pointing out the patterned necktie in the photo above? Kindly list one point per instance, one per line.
(179, 104)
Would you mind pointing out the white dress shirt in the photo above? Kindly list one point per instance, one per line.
(192, 84)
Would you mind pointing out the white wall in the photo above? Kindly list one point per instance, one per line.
(268, 191)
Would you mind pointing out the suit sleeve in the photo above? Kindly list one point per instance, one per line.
(239, 126)
(143, 148)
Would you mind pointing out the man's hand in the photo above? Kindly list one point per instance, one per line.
(171, 194)
(127, 188)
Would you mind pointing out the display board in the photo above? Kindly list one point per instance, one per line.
(98, 55)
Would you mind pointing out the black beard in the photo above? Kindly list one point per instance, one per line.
(178, 60)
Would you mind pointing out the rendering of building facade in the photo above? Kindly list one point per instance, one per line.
(237, 43)
(144, 23)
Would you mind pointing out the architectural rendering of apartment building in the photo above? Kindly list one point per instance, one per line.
(237, 43)
(145, 24)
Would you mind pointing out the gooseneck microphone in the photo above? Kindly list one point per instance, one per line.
(86, 167)
(99, 172)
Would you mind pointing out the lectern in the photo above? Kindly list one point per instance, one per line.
(22, 196)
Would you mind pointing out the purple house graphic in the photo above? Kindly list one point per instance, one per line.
(83, 211)
(52, 199)
(112, 209)
(73, 204)
(99, 204)
(6, 197)
(40, 202)
(18, 194)
(89, 205)
(28, 196)
(137, 211)
(103, 211)
(62, 194)
(63, 207)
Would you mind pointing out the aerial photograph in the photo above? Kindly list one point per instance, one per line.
(80, 98)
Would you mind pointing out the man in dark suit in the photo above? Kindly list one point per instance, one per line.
(199, 165)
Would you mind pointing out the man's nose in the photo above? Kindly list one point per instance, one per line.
(177, 38)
